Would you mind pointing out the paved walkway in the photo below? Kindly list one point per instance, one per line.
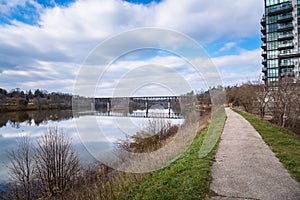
(246, 168)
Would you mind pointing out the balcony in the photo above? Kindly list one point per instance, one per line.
(264, 69)
(264, 61)
(287, 73)
(285, 36)
(284, 54)
(287, 7)
(263, 38)
(264, 46)
(287, 65)
(264, 54)
(264, 77)
(289, 45)
(289, 54)
(263, 30)
(285, 17)
(285, 27)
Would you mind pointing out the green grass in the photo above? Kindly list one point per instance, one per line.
(284, 144)
(213, 134)
(186, 178)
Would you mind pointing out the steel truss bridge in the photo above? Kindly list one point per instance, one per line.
(174, 107)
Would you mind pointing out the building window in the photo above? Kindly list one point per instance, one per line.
(286, 51)
(273, 2)
(272, 45)
(287, 61)
(272, 72)
(286, 42)
(272, 36)
(272, 54)
(272, 19)
(271, 28)
(273, 63)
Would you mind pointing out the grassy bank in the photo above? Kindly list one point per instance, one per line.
(285, 145)
(186, 178)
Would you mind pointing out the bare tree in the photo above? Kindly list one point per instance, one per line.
(263, 95)
(57, 163)
(284, 98)
(22, 167)
(244, 95)
(294, 115)
(155, 134)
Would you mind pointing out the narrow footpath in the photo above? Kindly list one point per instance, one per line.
(246, 168)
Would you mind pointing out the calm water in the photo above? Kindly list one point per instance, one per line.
(34, 123)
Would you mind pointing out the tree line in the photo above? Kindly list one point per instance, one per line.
(279, 104)
(17, 99)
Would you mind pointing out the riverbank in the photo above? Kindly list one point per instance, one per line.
(186, 178)
(189, 177)
(31, 107)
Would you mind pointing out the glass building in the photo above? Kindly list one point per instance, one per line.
(280, 40)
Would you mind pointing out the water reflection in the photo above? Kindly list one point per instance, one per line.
(35, 123)
(14, 119)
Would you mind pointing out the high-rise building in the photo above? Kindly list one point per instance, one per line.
(280, 40)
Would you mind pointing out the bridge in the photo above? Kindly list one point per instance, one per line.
(142, 107)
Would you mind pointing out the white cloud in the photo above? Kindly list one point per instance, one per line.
(52, 76)
(228, 46)
(65, 35)
(155, 71)
(239, 68)
(210, 20)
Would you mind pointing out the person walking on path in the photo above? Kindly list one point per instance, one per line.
(246, 168)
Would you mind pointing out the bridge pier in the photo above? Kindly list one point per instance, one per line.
(92, 106)
(169, 106)
(147, 106)
(108, 106)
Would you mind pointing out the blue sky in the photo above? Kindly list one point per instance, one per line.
(43, 43)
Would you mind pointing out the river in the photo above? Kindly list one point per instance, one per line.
(33, 124)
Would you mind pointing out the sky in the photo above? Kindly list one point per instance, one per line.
(45, 43)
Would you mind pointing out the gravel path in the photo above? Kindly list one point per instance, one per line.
(246, 168)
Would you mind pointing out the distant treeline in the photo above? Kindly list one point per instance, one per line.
(17, 100)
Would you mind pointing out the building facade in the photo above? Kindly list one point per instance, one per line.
(280, 40)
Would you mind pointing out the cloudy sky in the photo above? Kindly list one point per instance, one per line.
(44, 43)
